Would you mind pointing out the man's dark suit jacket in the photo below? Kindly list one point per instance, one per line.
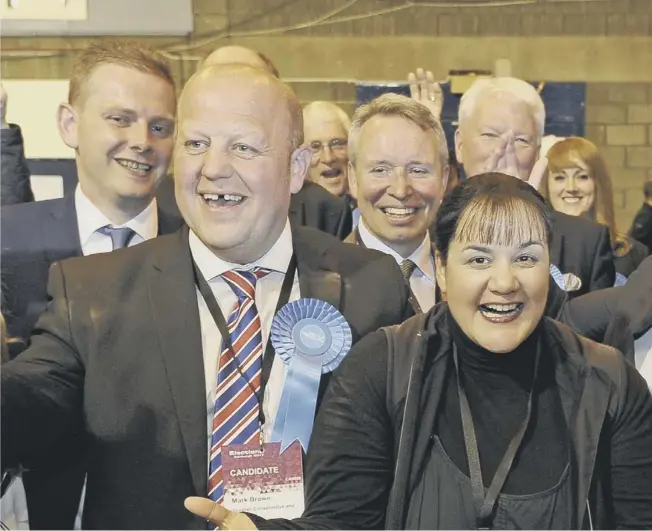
(582, 247)
(312, 206)
(119, 352)
(34, 236)
(615, 316)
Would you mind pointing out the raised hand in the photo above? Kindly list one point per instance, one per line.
(425, 90)
(218, 515)
(537, 173)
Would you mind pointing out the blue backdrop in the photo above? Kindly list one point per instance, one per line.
(565, 105)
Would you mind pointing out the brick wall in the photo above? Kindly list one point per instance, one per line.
(606, 43)
(619, 121)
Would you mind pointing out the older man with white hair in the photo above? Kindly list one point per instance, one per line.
(501, 124)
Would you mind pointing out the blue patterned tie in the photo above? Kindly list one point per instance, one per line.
(236, 417)
(120, 237)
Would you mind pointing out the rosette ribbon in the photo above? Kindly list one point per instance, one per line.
(312, 338)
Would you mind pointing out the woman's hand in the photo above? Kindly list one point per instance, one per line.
(218, 515)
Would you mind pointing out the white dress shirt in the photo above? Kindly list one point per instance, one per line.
(268, 290)
(643, 356)
(90, 219)
(422, 281)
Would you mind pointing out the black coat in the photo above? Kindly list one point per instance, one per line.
(15, 184)
(121, 361)
(374, 430)
(33, 236)
(582, 247)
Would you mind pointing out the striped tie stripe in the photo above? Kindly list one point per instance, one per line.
(236, 416)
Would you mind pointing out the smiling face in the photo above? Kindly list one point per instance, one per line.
(497, 116)
(326, 135)
(496, 274)
(234, 165)
(397, 180)
(572, 189)
(122, 132)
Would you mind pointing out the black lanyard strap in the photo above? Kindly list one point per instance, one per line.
(220, 321)
(484, 505)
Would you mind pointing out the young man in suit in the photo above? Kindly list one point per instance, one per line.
(312, 205)
(130, 349)
(119, 119)
(501, 122)
(397, 172)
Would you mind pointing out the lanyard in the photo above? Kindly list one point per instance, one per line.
(484, 506)
(220, 321)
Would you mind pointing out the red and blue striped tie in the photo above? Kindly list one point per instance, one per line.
(236, 417)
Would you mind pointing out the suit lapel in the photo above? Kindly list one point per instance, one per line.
(316, 279)
(60, 234)
(176, 314)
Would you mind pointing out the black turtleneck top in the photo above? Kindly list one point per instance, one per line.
(497, 387)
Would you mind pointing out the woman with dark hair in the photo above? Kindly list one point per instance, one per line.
(578, 184)
(481, 413)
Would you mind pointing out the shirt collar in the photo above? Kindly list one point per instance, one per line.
(422, 256)
(90, 219)
(277, 258)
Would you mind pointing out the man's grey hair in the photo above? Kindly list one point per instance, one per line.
(520, 90)
(329, 107)
(402, 107)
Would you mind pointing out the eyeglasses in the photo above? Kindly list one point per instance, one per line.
(336, 145)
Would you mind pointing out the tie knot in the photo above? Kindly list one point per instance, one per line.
(120, 237)
(407, 268)
(243, 281)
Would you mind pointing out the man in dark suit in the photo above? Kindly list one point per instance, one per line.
(397, 173)
(120, 121)
(130, 350)
(501, 122)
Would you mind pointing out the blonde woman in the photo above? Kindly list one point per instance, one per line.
(578, 184)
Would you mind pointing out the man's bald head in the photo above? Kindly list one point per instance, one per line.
(240, 55)
(248, 79)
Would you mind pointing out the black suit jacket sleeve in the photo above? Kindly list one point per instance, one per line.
(42, 390)
(15, 185)
(615, 316)
(603, 271)
(351, 447)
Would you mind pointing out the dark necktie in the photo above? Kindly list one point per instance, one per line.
(119, 237)
(407, 268)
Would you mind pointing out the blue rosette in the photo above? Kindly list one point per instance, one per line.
(312, 338)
